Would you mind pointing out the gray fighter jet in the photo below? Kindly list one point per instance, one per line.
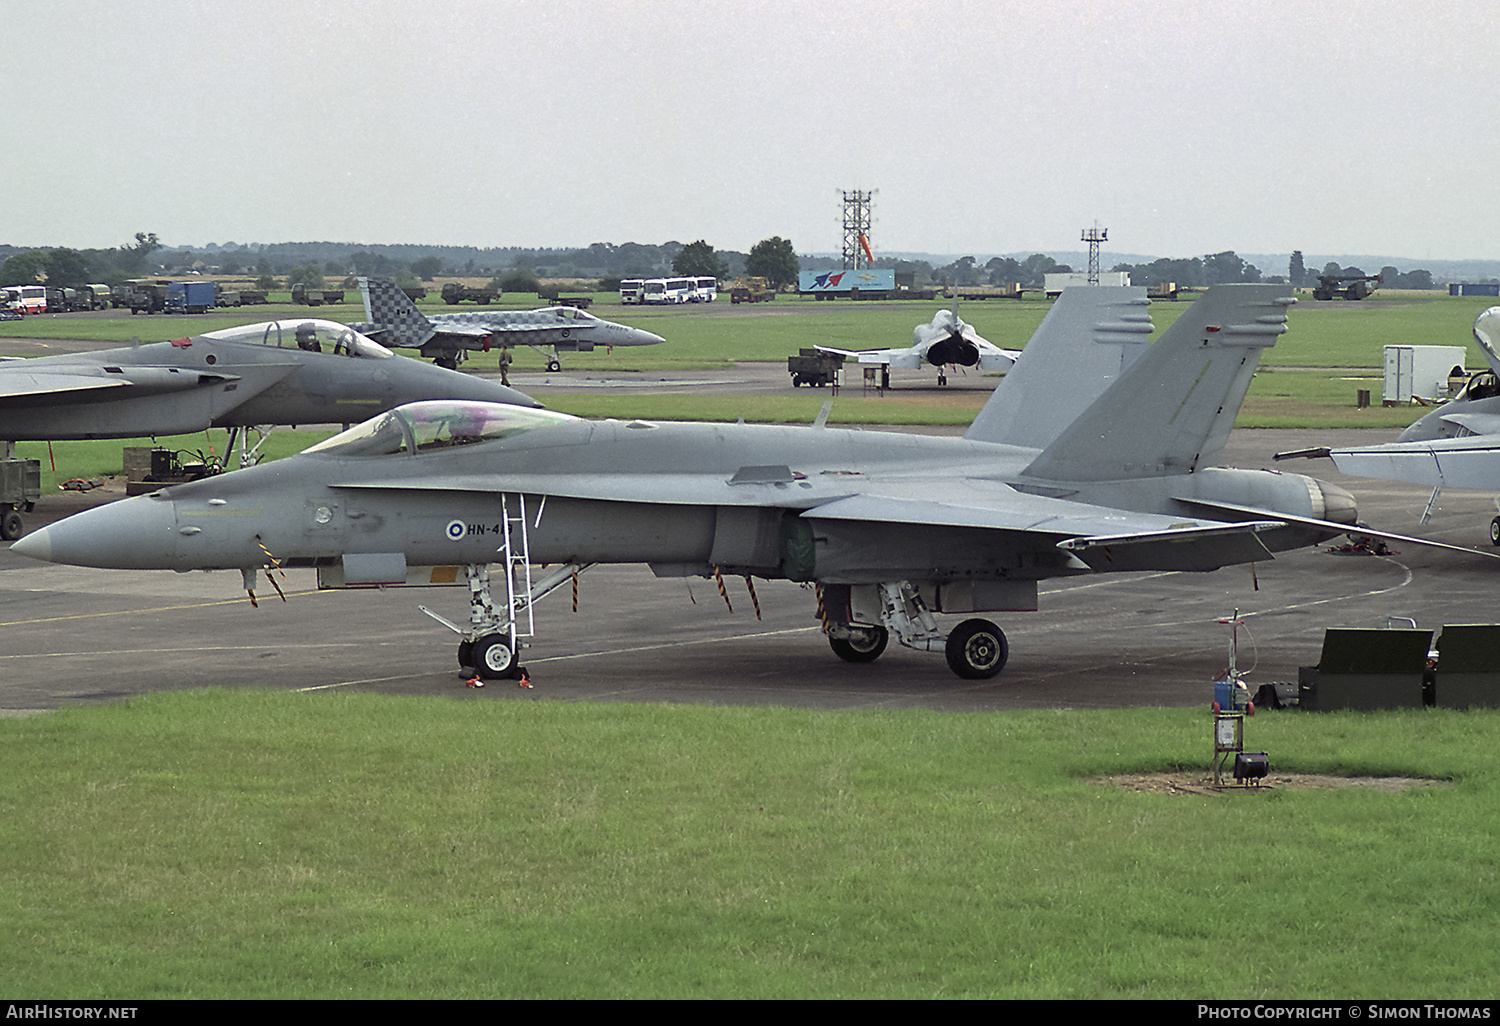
(444, 338)
(257, 375)
(894, 530)
(1457, 445)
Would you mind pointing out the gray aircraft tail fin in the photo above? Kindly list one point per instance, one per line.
(1171, 411)
(392, 314)
(1085, 342)
(1487, 334)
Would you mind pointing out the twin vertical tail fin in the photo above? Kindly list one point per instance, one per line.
(1171, 412)
(392, 316)
(1084, 343)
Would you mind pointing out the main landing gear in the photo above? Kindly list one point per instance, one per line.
(976, 649)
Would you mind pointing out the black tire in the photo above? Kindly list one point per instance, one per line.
(1495, 531)
(977, 650)
(466, 655)
(495, 659)
(11, 527)
(864, 646)
(553, 366)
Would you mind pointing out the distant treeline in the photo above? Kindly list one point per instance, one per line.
(68, 268)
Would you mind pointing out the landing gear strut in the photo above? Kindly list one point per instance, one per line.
(492, 641)
(976, 649)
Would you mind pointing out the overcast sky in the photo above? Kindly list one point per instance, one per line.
(1183, 128)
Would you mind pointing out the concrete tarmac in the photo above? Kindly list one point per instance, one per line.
(72, 635)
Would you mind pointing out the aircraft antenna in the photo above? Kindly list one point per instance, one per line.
(857, 205)
(1093, 236)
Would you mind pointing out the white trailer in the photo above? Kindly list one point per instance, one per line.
(1420, 371)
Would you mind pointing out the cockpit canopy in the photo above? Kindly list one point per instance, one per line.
(437, 424)
(1483, 385)
(313, 336)
(570, 313)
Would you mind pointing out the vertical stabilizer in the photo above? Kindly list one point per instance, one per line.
(1088, 338)
(393, 317)
(1171, 411)
(1487, 334)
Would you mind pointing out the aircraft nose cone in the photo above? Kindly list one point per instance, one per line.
(135, 534)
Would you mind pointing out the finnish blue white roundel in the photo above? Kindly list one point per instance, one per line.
(456, 530)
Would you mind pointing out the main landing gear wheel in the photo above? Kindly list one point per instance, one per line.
(466, 655)
(553, 366)
(11, 527)
(863, 645)
(976, 650)
(1495, 531)
(495, 658)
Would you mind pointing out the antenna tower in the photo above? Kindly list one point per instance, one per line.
(1093, 236)
(856, 228)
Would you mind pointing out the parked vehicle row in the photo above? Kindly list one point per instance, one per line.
(668, 291)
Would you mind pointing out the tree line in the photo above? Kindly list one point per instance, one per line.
(519, 269)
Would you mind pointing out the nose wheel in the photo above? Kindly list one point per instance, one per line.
(492, 656)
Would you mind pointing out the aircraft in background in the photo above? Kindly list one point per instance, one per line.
(395, 321)
(1457, 445)
(306, 371)
(892, 529)
(948, 341)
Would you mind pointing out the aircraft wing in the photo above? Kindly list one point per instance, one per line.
(1100, 537)
(1471, 462)
(25, 387)
(473, 331)
(1352, 530)
(902, 359)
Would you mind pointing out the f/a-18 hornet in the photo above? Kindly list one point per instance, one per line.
(948, 341)
(305, 371)
(893, 529)
(444, 338)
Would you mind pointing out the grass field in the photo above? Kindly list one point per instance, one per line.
(270, 845)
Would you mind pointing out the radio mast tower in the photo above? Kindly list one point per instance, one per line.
(857, 229)
(1093, 236)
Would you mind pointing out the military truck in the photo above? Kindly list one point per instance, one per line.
(455, 293)
(1350, 286)
(147, 298)
(315, 297)
(813, 368)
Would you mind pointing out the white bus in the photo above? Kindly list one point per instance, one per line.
(668, 291)
(705, 290)
(26, 299)
(630, 291)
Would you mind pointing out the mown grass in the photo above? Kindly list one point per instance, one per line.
(262, 844)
